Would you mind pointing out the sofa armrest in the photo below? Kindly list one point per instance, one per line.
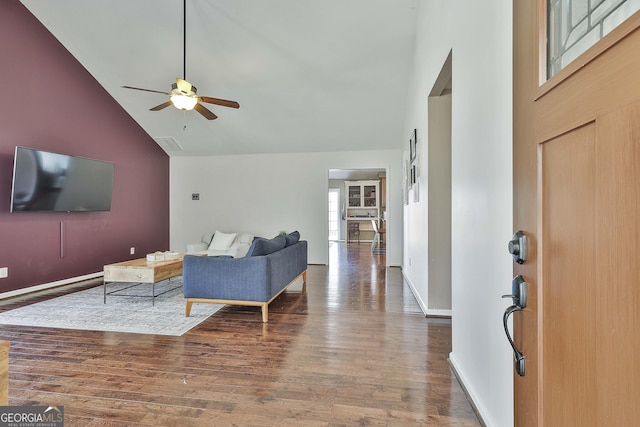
(196, 247)
(226, 278)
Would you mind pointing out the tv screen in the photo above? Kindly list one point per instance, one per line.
(51, 182)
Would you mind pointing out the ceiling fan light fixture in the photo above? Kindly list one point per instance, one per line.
(184, 102)
(183, 95)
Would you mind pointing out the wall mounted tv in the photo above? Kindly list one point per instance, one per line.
(51, 182)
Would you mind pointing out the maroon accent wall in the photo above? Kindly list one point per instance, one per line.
(50, 102)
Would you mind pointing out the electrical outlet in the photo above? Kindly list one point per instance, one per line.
(132, 251)
(4, 272)
(195, 196)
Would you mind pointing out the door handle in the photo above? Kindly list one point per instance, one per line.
(519, 297)
(517, 354)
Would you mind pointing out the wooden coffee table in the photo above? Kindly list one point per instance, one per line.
(139, 272)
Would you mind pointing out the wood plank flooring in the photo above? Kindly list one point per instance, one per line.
(353, 350)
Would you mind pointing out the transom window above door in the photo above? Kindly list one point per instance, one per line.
(573, 26)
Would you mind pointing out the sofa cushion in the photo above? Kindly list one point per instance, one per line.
(262, 246)
(221, 241)
(231, 251)
(292, 238)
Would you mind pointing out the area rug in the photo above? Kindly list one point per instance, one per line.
(86, 310)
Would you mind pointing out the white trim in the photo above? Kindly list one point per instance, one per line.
(423, 305)
(416, 294)
(439, 312)
(49, 285)
(481, 411)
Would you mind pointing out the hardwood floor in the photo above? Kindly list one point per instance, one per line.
(353, 350)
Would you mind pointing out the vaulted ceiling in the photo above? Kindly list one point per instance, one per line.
(310, 75)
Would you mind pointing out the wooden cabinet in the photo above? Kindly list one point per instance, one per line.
(363, 205)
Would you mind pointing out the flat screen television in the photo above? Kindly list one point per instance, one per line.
(52, 182)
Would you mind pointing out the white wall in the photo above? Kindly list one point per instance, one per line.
(268, 193)
(438, 176)
(479, 35)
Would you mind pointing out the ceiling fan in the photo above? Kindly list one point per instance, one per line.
(183, 95)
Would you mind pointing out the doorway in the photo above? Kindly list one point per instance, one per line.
(337, 188)
(439, 192)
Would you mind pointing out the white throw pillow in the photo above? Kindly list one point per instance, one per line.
(243, 248)
(221, 241)
(246, 238)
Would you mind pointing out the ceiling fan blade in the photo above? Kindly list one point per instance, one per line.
(206, 113)
(218, 101)
(146, 90)
(183, 85)
(161, 106)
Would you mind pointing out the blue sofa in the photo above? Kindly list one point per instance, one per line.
(270, 266)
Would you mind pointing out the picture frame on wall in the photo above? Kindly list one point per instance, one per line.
(412, 145)
(406, 182)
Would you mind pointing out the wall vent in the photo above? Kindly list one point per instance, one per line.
(168, 143)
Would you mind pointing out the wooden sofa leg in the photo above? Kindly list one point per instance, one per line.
(187, 310)
(304, 280)
(265, 313)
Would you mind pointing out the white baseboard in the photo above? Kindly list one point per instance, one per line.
(415, 293)
(435, 312)
(479, 409)
(427, 311)
(50, 285)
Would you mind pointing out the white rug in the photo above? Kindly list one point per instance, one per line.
(85, 310)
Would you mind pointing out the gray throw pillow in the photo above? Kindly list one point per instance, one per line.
(261, 246)
(292, 238)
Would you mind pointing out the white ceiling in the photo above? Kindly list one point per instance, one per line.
(310, 75)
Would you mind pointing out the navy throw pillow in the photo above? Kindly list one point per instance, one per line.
(292, 238)
(263, 246)
(252, 247)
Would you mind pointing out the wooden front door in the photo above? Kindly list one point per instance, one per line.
(577, 197)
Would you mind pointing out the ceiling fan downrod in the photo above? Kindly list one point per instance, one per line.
(184, 39)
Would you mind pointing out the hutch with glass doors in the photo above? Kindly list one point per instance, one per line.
(362, 206)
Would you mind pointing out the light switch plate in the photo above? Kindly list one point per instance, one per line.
(4, 272)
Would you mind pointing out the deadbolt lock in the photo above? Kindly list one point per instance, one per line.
(518, 247)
